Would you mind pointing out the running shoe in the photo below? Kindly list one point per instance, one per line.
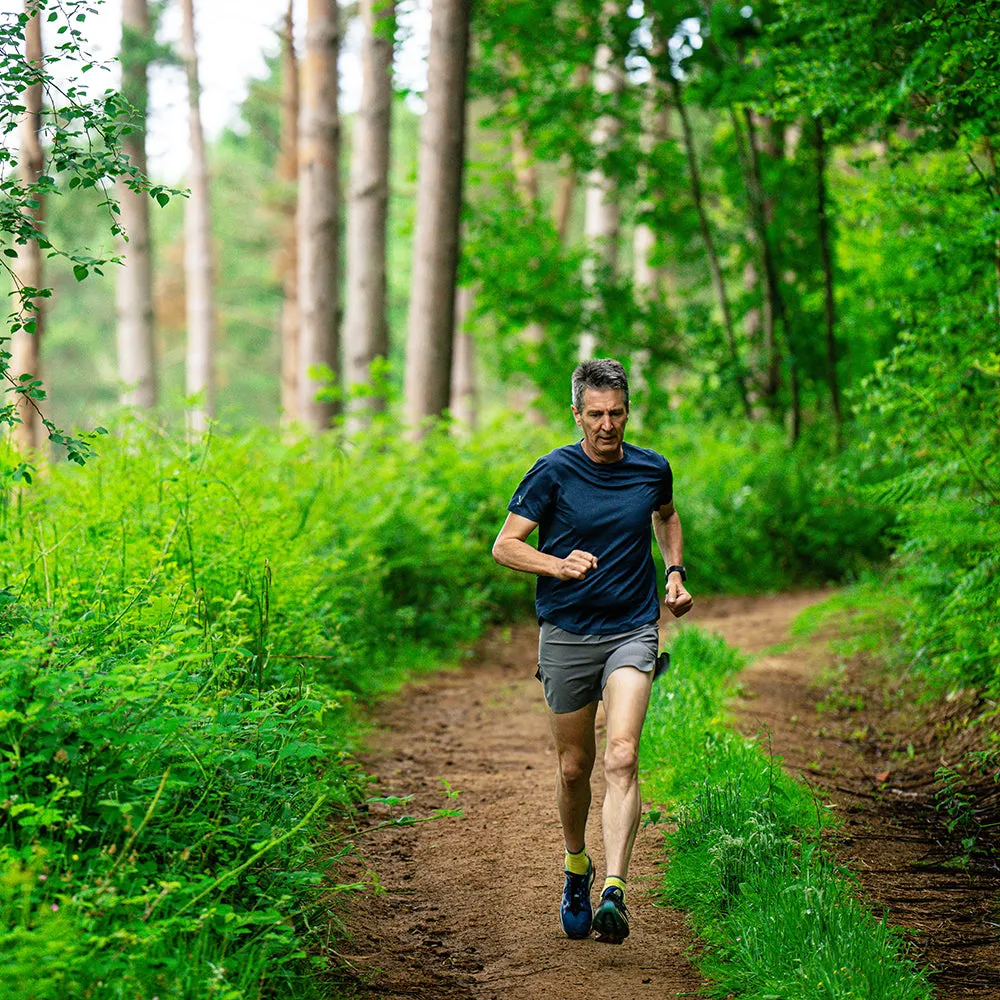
(611, 919)
(576, 912)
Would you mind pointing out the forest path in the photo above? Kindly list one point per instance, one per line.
(469, 908)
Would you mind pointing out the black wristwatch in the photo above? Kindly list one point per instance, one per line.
(675, 569)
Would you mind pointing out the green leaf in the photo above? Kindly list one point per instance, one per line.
(80, 271)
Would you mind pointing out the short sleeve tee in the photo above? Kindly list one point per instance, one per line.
(604, 509)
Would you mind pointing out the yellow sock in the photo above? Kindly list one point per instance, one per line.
(579, 863)
(614, 880)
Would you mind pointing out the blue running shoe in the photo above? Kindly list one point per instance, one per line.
(576, 912)
(611, 919)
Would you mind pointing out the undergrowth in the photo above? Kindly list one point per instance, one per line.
(183, 632)
(780, 918)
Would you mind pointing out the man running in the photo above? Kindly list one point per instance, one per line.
(593, 503)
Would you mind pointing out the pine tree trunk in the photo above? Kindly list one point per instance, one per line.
(602, 214)
(431, 321)
(134, 289)
(288, 262)
(829, 307)
(25, 345)
(319, 214)
(464, 395)
(366, 322)
(199, 294)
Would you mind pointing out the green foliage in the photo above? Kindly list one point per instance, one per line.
(81, 136)
(758, 517)
(780, 918)
(184, 632)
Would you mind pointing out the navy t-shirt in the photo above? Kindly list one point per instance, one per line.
(604, 509)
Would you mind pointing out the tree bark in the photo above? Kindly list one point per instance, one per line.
(199, 292)
(288, 262)
(431, 321)
(562, 202)
(319, 214)
(602, 214)
(647, 278)
(774, 303)
(464, 395)
(718, 282)
(366, 323)
(25, 345)
(134, 288)
(829, 308)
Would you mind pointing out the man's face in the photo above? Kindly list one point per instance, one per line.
(602, 421)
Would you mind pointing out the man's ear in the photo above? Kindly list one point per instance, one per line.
(576, 416)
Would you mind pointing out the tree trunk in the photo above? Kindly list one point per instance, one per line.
(774, 304)
(25, 345)
(647, 278)
(431, 321)
(464, 396)
(778, 314)
(366, 323)
(602, 215)
(718, 282)
(562, 202)
(134, 289)
(525, 172)
(197, 247)
(319, 215)
(827, 257)
(288, 261)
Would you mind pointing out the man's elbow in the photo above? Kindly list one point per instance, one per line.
(497, 551)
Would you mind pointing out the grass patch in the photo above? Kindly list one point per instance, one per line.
(779, 917)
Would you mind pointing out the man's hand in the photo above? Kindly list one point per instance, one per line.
(576, 565)
(678, 600)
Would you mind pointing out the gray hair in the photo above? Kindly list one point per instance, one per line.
(599, 373)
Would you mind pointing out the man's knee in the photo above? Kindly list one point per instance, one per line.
(621, 760)
(575, 766)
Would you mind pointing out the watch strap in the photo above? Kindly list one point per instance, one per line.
(676, 569)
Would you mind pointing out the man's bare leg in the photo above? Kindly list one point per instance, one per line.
(576, 749)
(626, 698)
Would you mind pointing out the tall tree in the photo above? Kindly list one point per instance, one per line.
(366, 323)
(26, 342)
(288, 268)
(319, 215)
(602, 213)
(134, 289)
(431, 320)
(464, 393)
(198, 277)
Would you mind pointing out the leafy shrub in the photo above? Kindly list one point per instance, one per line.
(183, 630)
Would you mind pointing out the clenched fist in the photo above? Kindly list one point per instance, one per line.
(576, 565)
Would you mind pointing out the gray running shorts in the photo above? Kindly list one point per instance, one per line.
(574, 668)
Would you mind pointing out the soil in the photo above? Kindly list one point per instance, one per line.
(468, 907)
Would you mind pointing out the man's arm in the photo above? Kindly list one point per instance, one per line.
(670, 539)
(512, 550)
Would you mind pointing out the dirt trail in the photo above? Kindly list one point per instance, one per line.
(873, 759)
(469, 908)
